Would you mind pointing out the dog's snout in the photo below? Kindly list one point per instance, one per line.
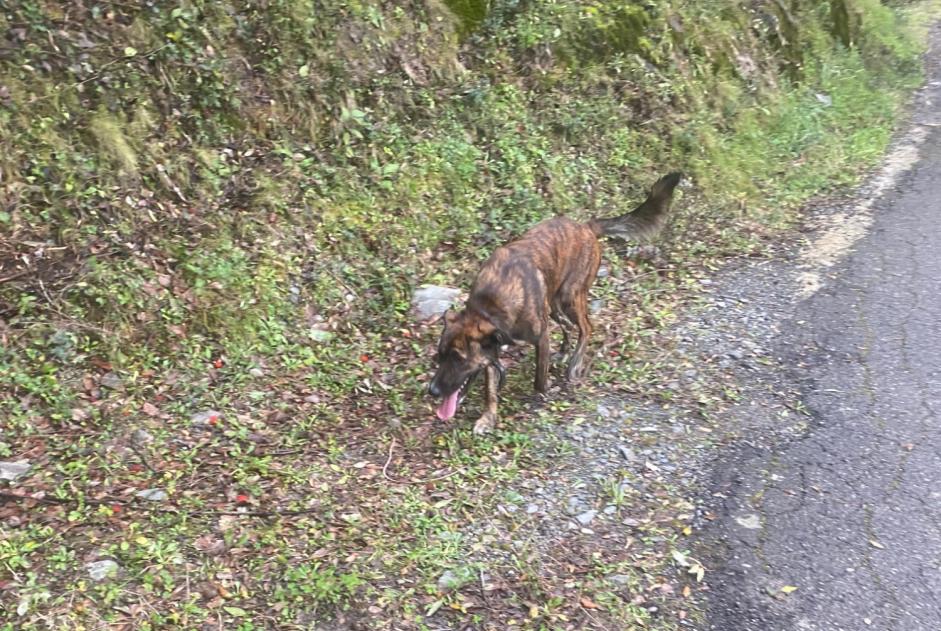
(433, 388)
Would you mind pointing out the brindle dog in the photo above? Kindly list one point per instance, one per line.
(545, 274)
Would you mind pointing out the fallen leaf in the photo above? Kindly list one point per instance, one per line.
(787, 589)
(876, 544)
(587, 603)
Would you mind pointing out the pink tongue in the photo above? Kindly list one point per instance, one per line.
(449, 406)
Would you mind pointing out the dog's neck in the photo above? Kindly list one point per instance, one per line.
(487, 313)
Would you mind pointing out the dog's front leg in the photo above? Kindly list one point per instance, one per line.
(542, 362)
(488, 420)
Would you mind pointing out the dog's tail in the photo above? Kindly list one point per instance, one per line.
(645, 221)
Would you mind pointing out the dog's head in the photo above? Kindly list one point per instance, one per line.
(469, 343)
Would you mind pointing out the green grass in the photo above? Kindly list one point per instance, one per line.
(208, 187)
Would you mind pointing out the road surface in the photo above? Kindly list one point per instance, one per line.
(840, 529)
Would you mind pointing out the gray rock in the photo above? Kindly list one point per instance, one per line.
(154, 495)
(142, 437)
(12, 471)
(574, 505)
(203, 418)
(610, 509)
(320, 335)
(597, 305)
(603, 271)
(750, 521)
(587, 517)
(622, 580)
(100, 570)
(256, 372)
(451, 580)
(432, 300)
(628, 454)
(111, 380)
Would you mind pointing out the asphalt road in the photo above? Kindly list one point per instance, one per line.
(840, 529)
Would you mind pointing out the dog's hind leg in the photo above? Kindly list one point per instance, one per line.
(565, 326)
(488, 420)
(577, 310)
(542, 361)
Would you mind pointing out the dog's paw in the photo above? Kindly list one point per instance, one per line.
(485, 424)
(577, 371)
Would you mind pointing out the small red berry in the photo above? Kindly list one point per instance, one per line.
(364, 358)
(115, 508)
(213, 420)
(218, 363)
(241, 499)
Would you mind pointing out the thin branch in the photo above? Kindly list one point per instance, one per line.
(14, 276)
(386, 475)
(142, 457)
(173, 510)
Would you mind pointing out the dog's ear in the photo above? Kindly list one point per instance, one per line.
(448, 317)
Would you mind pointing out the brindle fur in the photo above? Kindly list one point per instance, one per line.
(545, 274)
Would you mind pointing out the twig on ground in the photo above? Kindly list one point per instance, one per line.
(595, 620)
(15, 275)
(174, 510)
(483, 587)
(386, 475)
(140, 455)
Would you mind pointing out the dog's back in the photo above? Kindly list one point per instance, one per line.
(519, 283)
